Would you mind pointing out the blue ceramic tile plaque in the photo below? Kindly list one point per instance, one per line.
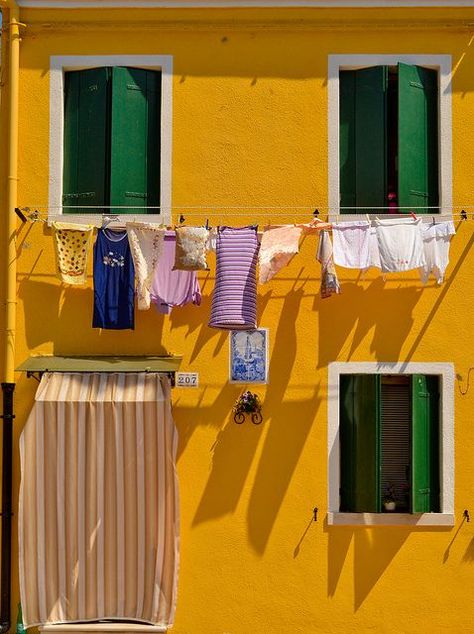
(249, 356)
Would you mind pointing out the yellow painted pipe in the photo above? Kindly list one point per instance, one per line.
(12, 190)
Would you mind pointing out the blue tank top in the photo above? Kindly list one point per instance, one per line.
(114, 281)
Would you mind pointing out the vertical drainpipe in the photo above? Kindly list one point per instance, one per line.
(8, 383)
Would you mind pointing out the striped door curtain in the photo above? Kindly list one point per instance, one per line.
(98, 513)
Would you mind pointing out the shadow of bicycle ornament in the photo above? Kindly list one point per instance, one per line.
(248, 404)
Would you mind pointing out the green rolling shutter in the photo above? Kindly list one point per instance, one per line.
(360, 443)
(417, 137)
(425, 444)
(135, 139)
(363, 138)
(85, 139)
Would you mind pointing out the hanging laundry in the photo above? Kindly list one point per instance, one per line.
(234, 302)
(114, 278)
(329, 281)
(278, 246)
(146, 245)
(173, 287)
(351, 244)
(400, 244)
(436, 241)
(212, 239)
(72, 244)
(191, 248)
(374, 253)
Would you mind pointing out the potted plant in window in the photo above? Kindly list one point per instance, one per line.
(389, 500)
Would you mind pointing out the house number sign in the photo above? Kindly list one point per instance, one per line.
(187, 379)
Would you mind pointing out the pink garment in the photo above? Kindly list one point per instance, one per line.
(278, 246)
(173, 288)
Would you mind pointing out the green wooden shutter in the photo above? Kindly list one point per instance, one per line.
(360, 442)
(135, 139)
(347, 162)
(85, 139)
(363, 138)
(425, 443)
(417, 137)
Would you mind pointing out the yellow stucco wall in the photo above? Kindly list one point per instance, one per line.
(250, 129)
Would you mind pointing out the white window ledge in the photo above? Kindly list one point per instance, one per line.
(391, 519)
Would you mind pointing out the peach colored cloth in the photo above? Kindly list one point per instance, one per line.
(98, 512)
(280, 244)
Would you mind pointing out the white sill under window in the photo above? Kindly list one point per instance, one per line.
(390, 519)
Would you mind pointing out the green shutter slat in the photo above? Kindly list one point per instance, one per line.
(363, 138)
(417, 137)
(360, 443)
(135, 139)
(347, 164)
(425, 443)
(85, 139)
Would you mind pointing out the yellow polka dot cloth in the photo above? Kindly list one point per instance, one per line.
(72, 243)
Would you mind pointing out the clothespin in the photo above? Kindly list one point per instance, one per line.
(106, 220)
(463, 215)
(181, 219)
(434, 221)
(207, 223)
(316, 213)
(20, 214)
(413, 215)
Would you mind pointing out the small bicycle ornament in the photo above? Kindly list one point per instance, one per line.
(248, 404)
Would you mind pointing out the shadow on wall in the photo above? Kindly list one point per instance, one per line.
(390, 316)
(286, 427)
(374, 551)
(63, 316)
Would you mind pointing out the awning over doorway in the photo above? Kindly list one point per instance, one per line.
(98, 513)
(46, 363)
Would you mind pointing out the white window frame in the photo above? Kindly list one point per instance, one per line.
(446, 517)
(441, 63)
(59, 65)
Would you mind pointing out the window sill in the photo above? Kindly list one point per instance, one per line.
(390, 519)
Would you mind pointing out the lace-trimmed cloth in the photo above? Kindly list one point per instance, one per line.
(280, 244)
(191, 248)
(72, 244)
(146, 245)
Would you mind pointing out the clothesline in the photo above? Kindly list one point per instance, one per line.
(115, 219)
(250, 207)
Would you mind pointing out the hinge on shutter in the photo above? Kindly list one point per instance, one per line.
(416, 193)
(135, 195)
(133, 87)
(79, 195)
(424, 490)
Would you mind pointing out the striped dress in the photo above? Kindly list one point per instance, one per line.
(234, 303)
